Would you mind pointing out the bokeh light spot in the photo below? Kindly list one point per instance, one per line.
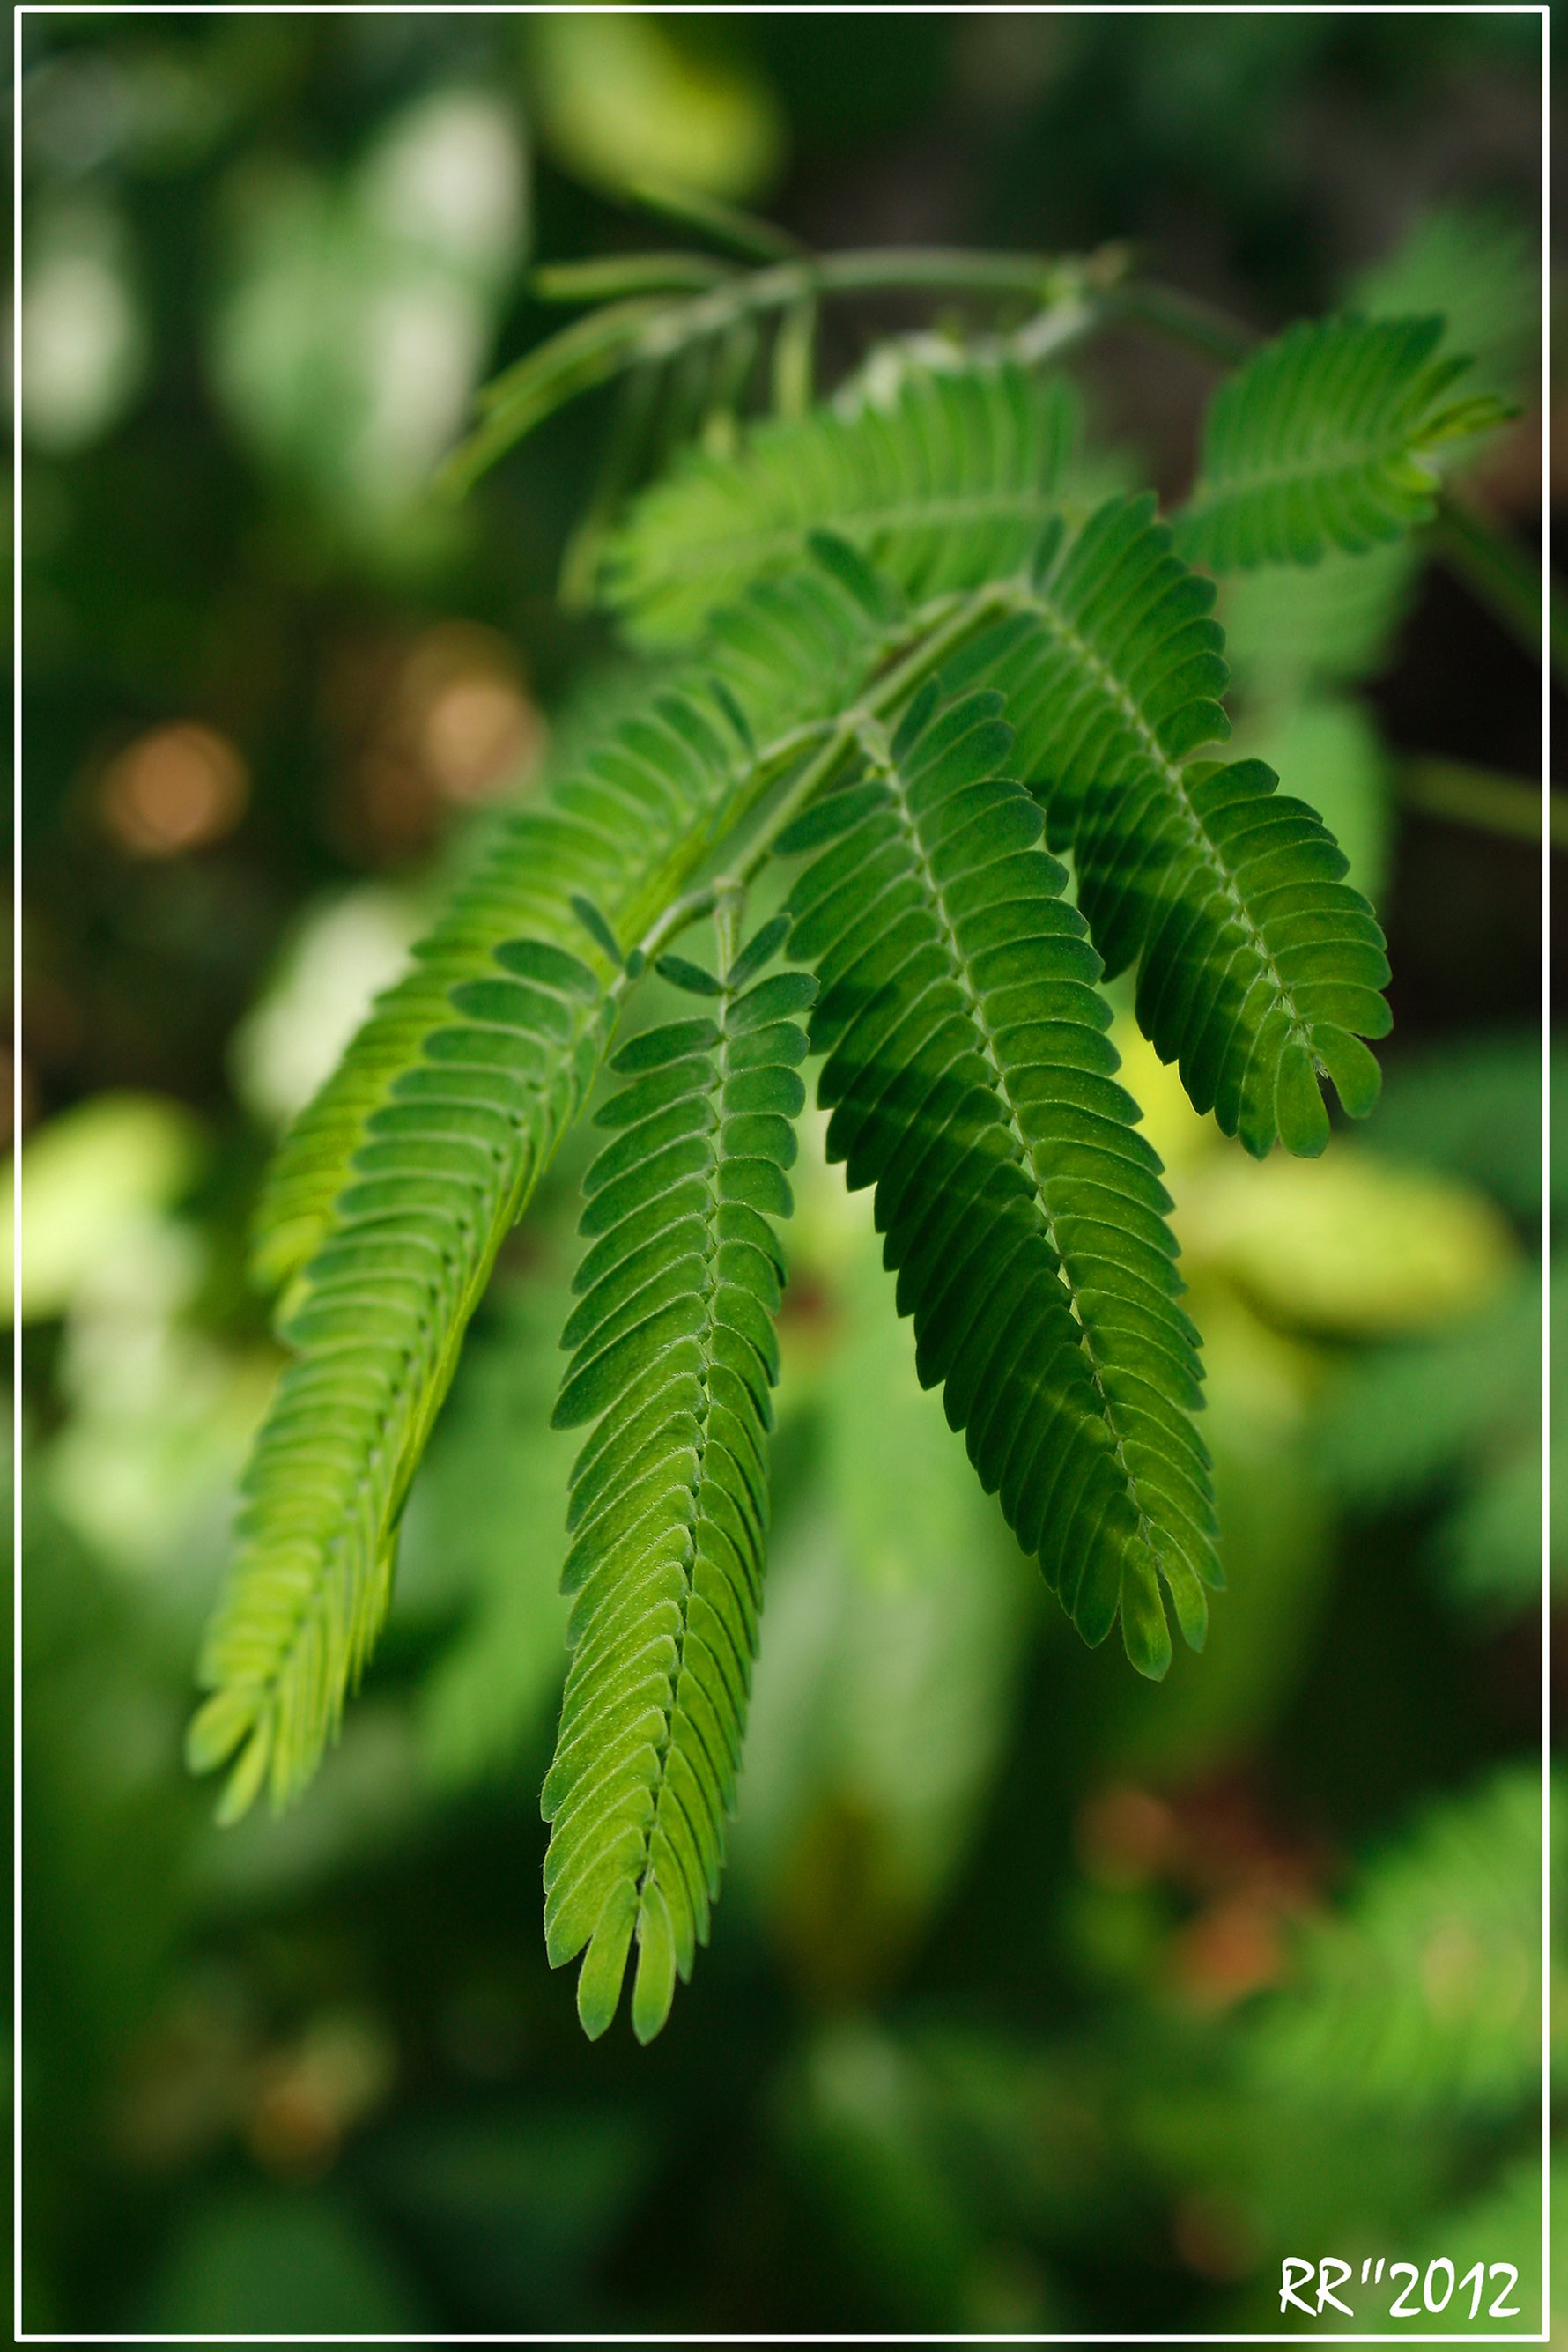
(477, 731)
(174, 789)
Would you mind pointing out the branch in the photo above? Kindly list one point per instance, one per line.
(1505, 805)
(1503, 577)
(652, 314)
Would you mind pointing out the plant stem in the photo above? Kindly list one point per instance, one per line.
(787, 285)
(1182, 319)
(944, 627)
(640, 328)
(1505, 805)
(737, 233)
(1504, 577)
(941, 629)
(623, 273)
(942, 632)
(694, 905)
(795, 361)
(720, 293)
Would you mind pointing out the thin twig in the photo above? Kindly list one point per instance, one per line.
(1505, 805)
(1212, 334)
(1503, 576)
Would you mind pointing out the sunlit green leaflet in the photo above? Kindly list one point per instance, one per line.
(948, 484)
(673, 1357)
(1327, 438)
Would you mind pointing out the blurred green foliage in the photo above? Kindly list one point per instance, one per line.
(1045, 2000)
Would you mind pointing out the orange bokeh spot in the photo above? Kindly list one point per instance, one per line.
(477, 732)
(174, 789)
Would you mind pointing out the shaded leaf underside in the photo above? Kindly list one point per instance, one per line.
(1259, 967)
(970, 1081)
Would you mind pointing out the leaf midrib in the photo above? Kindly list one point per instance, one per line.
(1210, 492)
(709, 1262)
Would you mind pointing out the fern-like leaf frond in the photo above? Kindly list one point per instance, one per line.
(970, 1081)
(623, 813)
(421, 1156)
(943, 486)
(673, 1360)
(1327, 438)
(449, 1160)
(1259, 967)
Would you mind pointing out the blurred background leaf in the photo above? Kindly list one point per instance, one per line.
(358, 316)
(279, 2263)
(91, 1184)
(1424, 1994)
(625, 99)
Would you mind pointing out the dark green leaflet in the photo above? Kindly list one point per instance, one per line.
(673, 1358)
(944, 487)
(1326, 440)
(416, 1161)
(970, 1081)
(1259, 967)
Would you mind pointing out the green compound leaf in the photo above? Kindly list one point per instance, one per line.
(1259, 967)
(1327, 438)
(968, 1074)
(673, 1360)
(627, 815)
(449, 1158)
(970, 1080)
(408, 1173)
(946, 485)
